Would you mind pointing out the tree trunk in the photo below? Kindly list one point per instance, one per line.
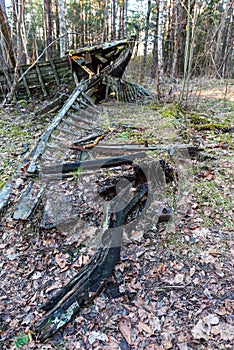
(154, 67)
(179, 39)
(113, 36)
(229, 52)
(7, 41)
(18, 10)
(48, 27)
(160, 38)
(62, 27)
(104, 20)
(143, 65)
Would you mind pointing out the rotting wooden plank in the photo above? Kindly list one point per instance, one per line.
(68, 132)
(80, 119)
(87, 105)
(70, 101)
(45, 137)
(93, 164)
(89, 138)
(91, 278)
(5, 194)
(41, 80)
(76, 125)
(55, 72)
(79, 107)
(52, 105)
(25, 83)
(192, 150)
(28, 201)
(84, 111)
(88, 99)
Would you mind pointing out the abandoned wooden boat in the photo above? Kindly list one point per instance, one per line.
(43, 79)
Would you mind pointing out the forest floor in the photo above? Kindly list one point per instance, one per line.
(173, 286)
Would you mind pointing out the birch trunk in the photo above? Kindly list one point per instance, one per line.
(160, 38)
(62, 27)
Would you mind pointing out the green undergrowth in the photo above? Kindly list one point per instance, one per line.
(19, 130)
(169, 110)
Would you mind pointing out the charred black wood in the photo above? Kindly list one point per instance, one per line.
(92, 278)
(26, 149)
(92, 164)
(165, 214)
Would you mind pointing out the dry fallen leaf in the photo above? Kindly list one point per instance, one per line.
(93, 336)
(225, 330)
(201, 330)
(125, 328)
(61, 260)
(144, 327)
(179, 278)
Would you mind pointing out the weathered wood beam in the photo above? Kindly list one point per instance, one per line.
(76, 125)
(80, 119)
(41, 80)
(25, 83)
(55, 72)
(28, 201)
(45, 137)
(92, 164)
(192, 150)
(52, 105)
(88, 138)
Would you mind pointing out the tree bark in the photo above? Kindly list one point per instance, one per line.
(8, 44)
(154, 67)
(62, 27)
(143, 65)
(48, 27)
(160, 39)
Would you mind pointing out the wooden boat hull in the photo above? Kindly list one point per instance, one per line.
(45, 79)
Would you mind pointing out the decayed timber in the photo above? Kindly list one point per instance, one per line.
(38, 79)
(45, 78)
(88, 138)
(60, 115)
(92, 164)
(100, 71)
(192, 150)
(52, 106)
(5, 194)
(91, 279)
(43, 141)
(28, 201)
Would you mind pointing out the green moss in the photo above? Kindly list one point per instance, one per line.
(171, 110)
(197, 119)
(124, 135)
(212, 126)
(2, 183)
